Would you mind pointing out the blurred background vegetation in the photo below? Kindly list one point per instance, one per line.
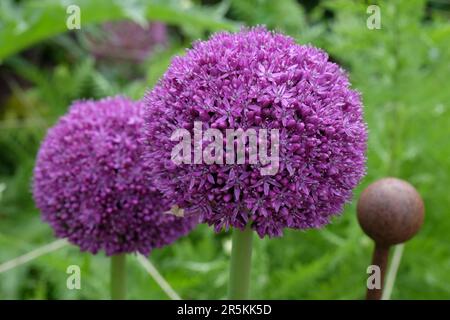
(402, 71)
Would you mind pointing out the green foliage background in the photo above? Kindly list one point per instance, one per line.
(402, 71)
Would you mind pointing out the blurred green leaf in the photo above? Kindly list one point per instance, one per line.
(37, 20)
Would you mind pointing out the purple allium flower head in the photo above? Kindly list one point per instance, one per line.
(259, 79)
(90, 185)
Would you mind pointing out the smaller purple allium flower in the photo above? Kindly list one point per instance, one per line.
(257, 79)
(91, 186)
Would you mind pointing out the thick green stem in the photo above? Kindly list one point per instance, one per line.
(118, 277)
(241, 260)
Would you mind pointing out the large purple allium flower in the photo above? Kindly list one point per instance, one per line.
(90, 183)
(259, 79)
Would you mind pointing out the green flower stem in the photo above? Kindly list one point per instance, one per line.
(118, 277)
(241, 260)
(392, 272)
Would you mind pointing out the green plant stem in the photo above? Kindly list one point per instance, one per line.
(118, 277)
(395, 159)
(392, 272)
(240, 265)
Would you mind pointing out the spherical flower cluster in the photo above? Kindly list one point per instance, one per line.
(90, 183)
(259, 79)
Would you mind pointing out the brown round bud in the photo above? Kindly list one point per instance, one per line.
(390, 211)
